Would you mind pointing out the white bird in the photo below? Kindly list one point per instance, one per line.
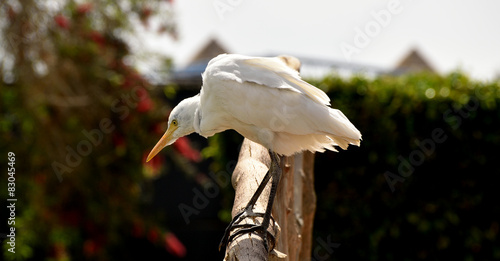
(265, 101)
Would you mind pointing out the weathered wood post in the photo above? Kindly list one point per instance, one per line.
(294, 205)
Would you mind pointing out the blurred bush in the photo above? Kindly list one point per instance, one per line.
(423, 183)
(80, 121)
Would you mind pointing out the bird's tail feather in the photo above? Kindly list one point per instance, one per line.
(341, 130)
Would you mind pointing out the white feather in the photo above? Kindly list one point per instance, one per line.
(271, 72)
(268, 103)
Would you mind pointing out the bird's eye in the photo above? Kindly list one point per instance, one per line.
(174, 123)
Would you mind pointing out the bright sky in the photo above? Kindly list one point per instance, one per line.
(451, 34)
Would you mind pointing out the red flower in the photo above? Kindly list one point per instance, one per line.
(84, 8)
(89, 247)
(145, 103)
(132, 79)
(141, 93)
(138, 229)
(183, 146)
(144, 15)
(153, 235)
(97, 38)
(158, 128)
(174, 246)
(62, 21)
(118, 140)
(146, 12)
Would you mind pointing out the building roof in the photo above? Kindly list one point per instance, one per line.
(414, 62)
(209, 51)
(190, 76)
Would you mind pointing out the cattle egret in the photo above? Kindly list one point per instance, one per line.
(267, 102)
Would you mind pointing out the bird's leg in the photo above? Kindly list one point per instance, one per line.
(276, 176)
(274, 173)
(246, 211)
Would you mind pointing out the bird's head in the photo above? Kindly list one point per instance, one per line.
(180, 123)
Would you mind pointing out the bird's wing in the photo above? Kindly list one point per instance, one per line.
(270, 72)
(268, 103)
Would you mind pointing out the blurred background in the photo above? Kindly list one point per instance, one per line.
(86, 88)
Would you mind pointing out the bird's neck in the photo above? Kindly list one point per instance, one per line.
(190, 107)
(197, 114)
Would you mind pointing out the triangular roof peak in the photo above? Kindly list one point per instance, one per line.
(208, 51)
(414, 62)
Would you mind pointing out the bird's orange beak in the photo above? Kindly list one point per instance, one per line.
(163, 142)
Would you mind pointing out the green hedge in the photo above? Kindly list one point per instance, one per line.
(423, 183)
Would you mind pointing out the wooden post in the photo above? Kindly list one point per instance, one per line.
(294, 205)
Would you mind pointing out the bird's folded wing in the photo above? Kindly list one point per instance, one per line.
(270, 72)
(273, 72)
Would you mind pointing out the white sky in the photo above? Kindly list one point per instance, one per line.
(451, 34)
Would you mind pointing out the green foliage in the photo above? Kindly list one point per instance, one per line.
(444, 206)
(432, 140)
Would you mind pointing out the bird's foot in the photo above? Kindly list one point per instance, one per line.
(262, 228)
(247, 228)
(251, 228)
